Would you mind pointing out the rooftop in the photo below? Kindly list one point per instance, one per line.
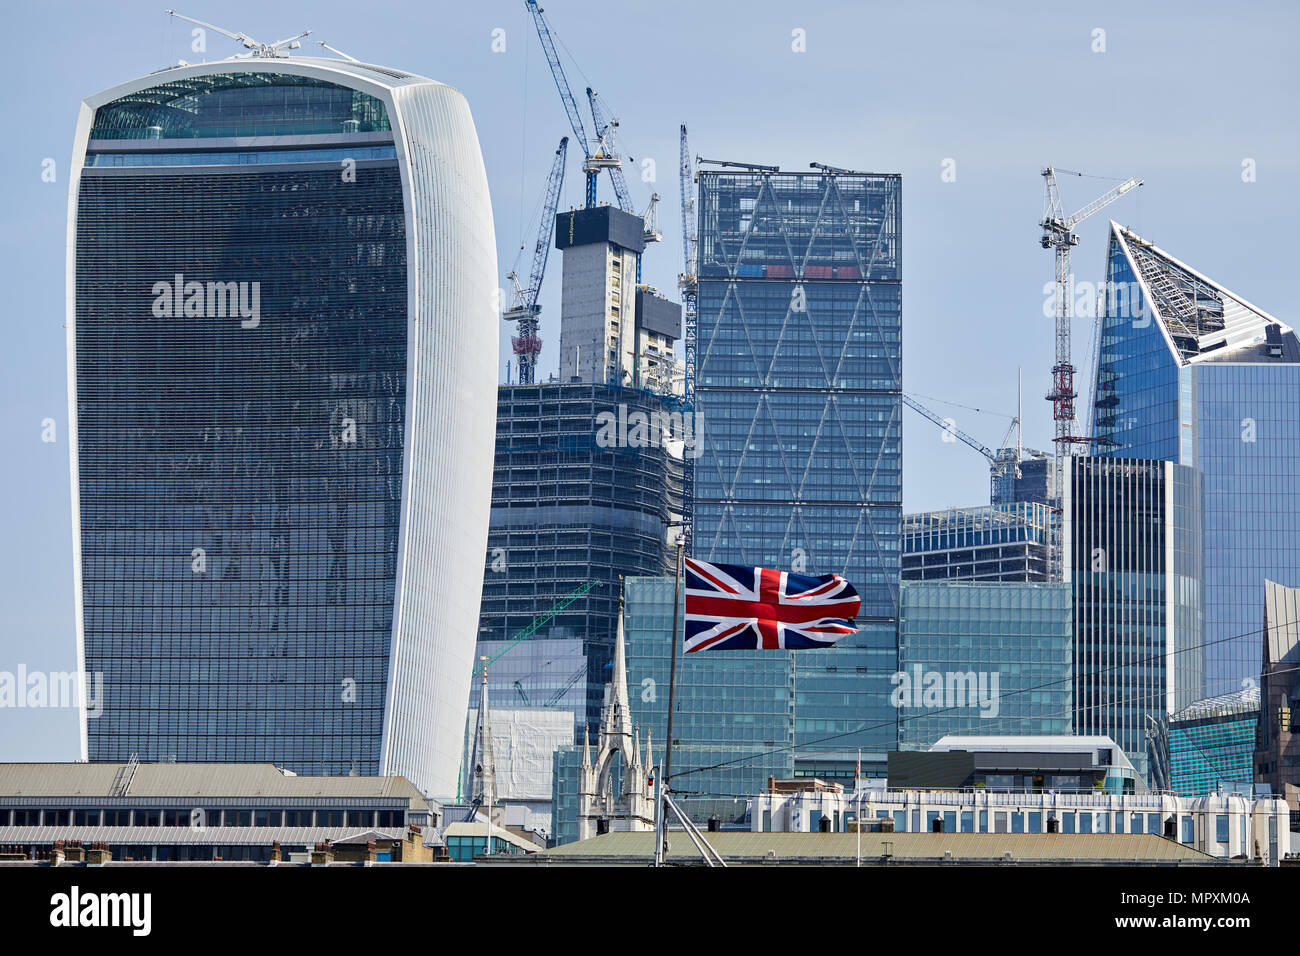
(916, 848)
(189, 780)
(1200, 319)
(1238, 702)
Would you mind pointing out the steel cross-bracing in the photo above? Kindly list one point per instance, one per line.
(524, 309)
(1058, 234)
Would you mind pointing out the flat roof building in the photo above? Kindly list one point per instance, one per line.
(982, 658)
(1000, 542)
(159, 812)
(799, 383)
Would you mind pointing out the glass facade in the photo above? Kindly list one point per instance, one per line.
(1136, 397)
(732, 707)
(568, 508)
(220, 105)
(1133, 556)
(798, 382)
(1006, 542)
(1242, 432)
(233, 538)
(259, 442)
(1191, 373)
(1212, 742)
(983, 658)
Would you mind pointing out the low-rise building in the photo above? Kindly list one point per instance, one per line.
(1226, 826)
(162, 812)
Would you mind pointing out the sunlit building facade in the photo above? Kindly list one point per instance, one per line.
(280, 332)
(798, 382)
(1192, 373)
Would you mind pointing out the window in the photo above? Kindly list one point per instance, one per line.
(80, 818)
(1188, 825)
(1067, 822)
(1036, 821)
(1085, 822)
(1221, 827)
(967, 821)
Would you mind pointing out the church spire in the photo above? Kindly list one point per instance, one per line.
(482, 760)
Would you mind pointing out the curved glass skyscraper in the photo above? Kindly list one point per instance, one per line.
(282, 345)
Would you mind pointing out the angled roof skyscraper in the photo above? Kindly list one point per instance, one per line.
(1191, 372)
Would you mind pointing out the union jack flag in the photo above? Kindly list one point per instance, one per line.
(734, 608)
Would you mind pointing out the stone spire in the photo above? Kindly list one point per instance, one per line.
(619, 722)
(482, 760)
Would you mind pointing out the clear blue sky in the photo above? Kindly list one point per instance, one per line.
(1183, 93)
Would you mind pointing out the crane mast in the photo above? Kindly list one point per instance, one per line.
(524, 308)
(687, 284)
(1058, 234)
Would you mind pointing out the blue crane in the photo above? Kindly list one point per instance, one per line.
(524, 309)
(597, 155)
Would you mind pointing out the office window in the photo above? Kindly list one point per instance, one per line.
(1036, 821)
(1067, 822)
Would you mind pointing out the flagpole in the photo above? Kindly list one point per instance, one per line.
(661, 843)
(857, 786)
(672, 664)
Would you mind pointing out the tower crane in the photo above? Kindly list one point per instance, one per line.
(1058, 234)
(595, 159)
(687, 284)
(524, 308)
(1001, 462)
(605, 149)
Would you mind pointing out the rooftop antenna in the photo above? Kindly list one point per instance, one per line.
(352, 59)
(255, 47)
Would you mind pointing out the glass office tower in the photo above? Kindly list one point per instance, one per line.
(1192, 373)
(798, 381)
(1132, 552)
(280, 331)
(577, 497)
(983, 658)
(1004, 542)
